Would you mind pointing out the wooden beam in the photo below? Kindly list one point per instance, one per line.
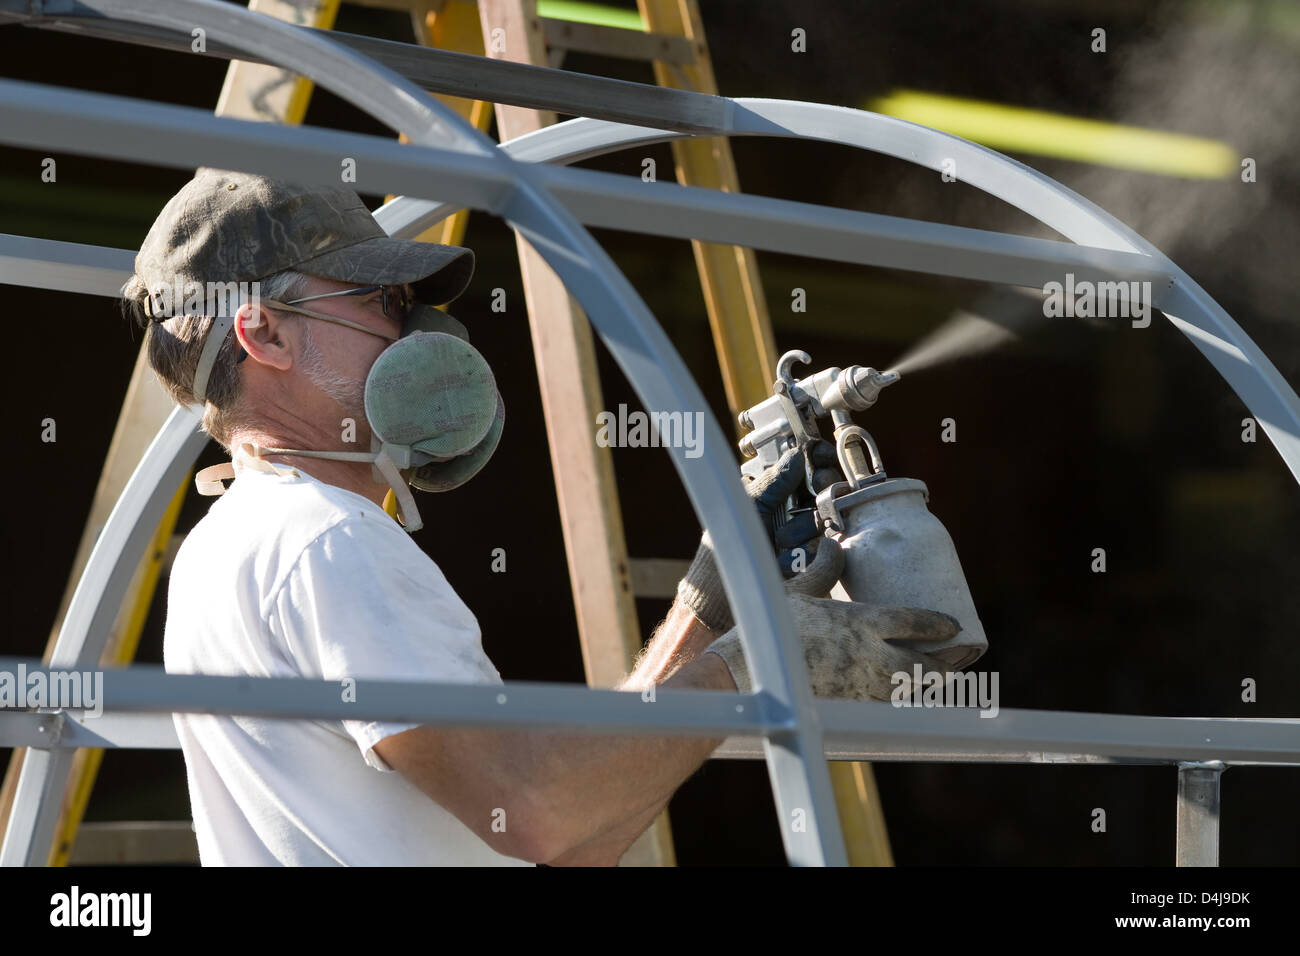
(255, 91)
(571, 397)
(136, 843)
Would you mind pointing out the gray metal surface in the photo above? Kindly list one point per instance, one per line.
(1197, 832)
(799, 775)
(35, 813)
(65, 266)
(780, 225)
(72, 729)
(145, 688)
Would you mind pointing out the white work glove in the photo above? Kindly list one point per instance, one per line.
(848, 646)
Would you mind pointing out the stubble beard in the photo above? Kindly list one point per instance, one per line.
(346, 392)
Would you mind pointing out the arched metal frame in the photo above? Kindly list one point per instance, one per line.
(1189, 307)
(628, 329)
(525, 200)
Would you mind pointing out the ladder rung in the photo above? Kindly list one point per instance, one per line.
(614, 41)
(656, 577)
(135, 841)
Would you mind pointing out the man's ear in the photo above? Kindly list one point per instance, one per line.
(265, 335)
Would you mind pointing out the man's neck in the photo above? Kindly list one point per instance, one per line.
(354, 476)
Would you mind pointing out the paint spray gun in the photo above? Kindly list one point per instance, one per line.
(895, 551)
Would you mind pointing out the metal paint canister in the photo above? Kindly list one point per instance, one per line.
(897, 553)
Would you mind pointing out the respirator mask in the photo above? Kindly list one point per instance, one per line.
(433, 408)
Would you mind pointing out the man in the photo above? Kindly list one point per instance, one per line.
(298, 571)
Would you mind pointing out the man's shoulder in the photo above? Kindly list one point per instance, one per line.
(265, 517)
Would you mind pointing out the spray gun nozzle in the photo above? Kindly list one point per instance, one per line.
(859, 387)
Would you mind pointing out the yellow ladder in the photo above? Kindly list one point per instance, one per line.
(566, 364)
(600, 569)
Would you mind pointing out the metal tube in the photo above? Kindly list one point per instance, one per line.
(64, 266)
(1198, 813)
(35, 813)
(442, 71)
(35, 116)
(847, 725)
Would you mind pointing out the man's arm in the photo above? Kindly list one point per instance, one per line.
(567, 798)
(677, 642)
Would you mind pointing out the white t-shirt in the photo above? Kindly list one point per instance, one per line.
(287, 576)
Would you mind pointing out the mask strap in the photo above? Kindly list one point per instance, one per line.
(209, 480)
(410, 515)
(221, 326)
(332, 455)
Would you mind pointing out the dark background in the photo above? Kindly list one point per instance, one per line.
(1073, 437)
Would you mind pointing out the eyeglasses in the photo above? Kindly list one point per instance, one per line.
(393, 299)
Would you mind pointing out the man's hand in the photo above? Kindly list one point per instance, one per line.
(778, 482)
(796, 542)
(848, 647)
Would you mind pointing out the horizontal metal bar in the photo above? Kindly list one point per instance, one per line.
(156, 731)
(1265, 741)
(781, 225)
(751, 748)
(442, 71)
(181, 136)
(66, 266)
(71, 729)
(853, 730)
(534, 706)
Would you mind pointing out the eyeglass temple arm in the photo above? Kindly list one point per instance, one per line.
(330, 318)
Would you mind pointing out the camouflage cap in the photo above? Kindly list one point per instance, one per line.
(235, 227)
(228, 228)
